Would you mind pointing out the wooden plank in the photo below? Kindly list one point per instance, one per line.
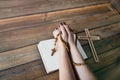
(35, 70)
(31, 76)
(103, 32)
(27, 21)
(52, 76)
(14, 8)
(19, 56)
(106, 59)
(109, 73)
(23, 37)
(112, 43)
(28, 54)
(116, 4)
(27, 71)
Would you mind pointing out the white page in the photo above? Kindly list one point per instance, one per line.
(51, 62)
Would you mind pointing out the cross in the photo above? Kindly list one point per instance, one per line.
(90, 40)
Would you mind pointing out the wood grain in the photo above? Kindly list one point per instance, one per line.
(105, 59)
(103, 32)
(34, 71)
(27, 71)
(15, 8)
(27, 21)
(116, 4)
(30, 53)
(24, 23)
(109, 73)
(100, 45)
(23, 37)
(52, 76)
(19, 56)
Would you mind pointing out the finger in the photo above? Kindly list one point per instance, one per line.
(59, 29)
(56, 32)
(67, 28)
(64, 33)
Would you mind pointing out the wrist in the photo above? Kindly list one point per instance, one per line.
(60, 44)
(72, 44)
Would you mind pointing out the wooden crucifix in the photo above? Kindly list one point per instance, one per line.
(90, 40)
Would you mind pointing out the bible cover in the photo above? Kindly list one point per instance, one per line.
(51, 62)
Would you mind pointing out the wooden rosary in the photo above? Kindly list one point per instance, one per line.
(66, 46)
(88, 37)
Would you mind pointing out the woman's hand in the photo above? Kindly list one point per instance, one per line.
(60, 34)
(67, 34)
(61, 31)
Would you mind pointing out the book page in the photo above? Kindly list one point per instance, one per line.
(51, 62)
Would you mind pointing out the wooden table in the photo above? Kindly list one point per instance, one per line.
(23, 23)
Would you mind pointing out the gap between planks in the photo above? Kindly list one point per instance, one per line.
(51, 16)
(109, 73)
(20, 8)
(14, 39)
(27, 54)
(32, 71)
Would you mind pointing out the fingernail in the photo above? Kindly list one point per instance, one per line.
(61, 23)
(64, 23)
(70, 28)
(60, 32)
(56, 28)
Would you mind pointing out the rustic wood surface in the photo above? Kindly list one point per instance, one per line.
(17, 38)
(107, 73)
(116, 4)
(13, 8)
(30, 53)
(24, 23)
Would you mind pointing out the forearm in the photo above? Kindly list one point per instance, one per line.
(65, 67)
(76, 56)
(83, 71)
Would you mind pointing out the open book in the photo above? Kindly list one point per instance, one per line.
(51, 62)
